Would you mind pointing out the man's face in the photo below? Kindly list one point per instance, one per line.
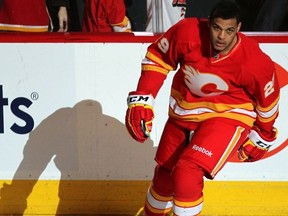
(223, 34)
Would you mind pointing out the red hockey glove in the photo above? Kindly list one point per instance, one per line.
(139, 115)
(256, 145)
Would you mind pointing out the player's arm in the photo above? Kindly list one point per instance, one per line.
(263, 134)
(155, 68)
(124, 26)
(116, 15)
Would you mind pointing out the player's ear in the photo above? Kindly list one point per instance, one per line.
(239, 26)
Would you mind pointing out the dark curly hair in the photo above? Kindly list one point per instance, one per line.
(226, 9)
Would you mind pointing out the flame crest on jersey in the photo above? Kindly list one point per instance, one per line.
(203, 84)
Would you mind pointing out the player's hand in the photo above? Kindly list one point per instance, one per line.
(256, 145)
(63, 19)
(139, 115)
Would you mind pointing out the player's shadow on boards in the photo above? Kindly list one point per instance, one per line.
(99, 164)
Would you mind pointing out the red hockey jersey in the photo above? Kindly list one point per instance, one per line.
(24, 15)
(104, 15)
(241, 85)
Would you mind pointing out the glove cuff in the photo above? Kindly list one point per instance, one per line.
(258, 141)
(136, 97)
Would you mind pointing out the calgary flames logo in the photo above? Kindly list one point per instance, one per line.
(203, 84)
(283, 81)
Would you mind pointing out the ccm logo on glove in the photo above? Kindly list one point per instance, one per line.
(143, 99)
(139, 115)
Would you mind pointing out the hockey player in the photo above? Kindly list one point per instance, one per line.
(224, 99)
(32, 15)
(161, 15)
(105, 16)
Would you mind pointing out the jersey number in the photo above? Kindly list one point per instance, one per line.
(269, 88)
(163, 45)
